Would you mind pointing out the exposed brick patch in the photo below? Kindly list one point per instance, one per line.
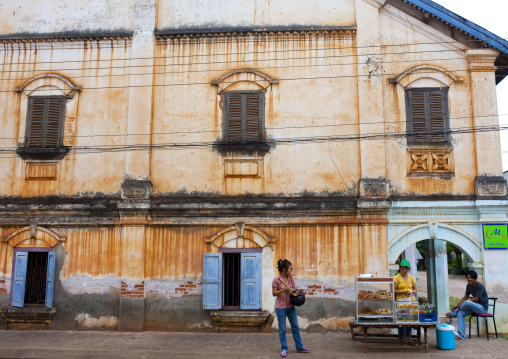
(189, 289)
(168, 289)
(320, 291)
(136, 291)
(2, 286)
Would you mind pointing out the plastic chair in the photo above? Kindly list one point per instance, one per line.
(486, 316)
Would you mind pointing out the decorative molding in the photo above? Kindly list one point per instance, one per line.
(378, 4)
(374, 187)
(425, 71)
(61, 38)
(242, 168)
(33, 231)
(430, 160)
(246, 76)
(239, 229)
(136, 189)
(490, 186)
(347, 31)
(41, 170)
(53, 80)
(482, 60)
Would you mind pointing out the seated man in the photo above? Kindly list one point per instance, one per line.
(477, 304)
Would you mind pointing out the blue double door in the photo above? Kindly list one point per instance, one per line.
(20, 279)
(250, 280)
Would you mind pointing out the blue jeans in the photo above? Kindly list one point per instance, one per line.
(405, 332)
(467, 308)
(293, 320)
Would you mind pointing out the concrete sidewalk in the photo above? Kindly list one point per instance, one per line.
(78, 345)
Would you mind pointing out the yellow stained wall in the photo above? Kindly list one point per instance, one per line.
(100, 67)
(177, 251)
(192, 113)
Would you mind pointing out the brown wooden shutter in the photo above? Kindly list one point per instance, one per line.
(437, 117)
(53, 122)
(35, 123)
(427, 117)
(252, 117)
(234, 121)
(45, 121)
(419, 128)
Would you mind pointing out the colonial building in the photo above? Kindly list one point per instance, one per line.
(159, 156)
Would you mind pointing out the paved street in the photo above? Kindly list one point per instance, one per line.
(77, 345)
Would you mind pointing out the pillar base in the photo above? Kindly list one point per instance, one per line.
(131, 316)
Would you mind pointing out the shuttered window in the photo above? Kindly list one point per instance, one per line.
(244, 116)
(221, 271)
(45, 118)
(427, 115)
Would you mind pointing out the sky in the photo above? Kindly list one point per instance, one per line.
(491, 15)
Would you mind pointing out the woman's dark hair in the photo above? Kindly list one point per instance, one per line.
(472, 274)
(283, 264)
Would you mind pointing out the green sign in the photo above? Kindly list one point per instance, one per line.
(495, 236)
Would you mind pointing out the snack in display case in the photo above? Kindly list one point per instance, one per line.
(365, 294)
(365, 311)
(407, 311)
(383, 311)
(383, 294)
(374, 300)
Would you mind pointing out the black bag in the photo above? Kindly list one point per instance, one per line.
(297, 300)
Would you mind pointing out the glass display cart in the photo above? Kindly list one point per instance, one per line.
(375, 299)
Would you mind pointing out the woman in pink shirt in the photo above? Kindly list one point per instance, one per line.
(282, 287)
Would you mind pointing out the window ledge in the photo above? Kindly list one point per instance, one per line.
(440, 175)
(429, 146)
(35, 153)
(248, 149)
(28, 317)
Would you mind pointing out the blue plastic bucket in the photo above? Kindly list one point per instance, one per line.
(445, 336)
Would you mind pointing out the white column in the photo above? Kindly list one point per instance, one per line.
(441, 283)
(487, 142)
(139, 121)
(370, 99)
(410, 255)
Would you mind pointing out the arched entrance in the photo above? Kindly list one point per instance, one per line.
(437, 234)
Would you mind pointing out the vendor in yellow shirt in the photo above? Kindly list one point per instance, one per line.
(405, 290)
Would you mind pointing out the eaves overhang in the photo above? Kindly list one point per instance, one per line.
(481, 37)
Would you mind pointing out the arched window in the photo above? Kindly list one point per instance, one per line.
(45, 101)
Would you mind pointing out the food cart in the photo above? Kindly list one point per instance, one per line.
(376, 308)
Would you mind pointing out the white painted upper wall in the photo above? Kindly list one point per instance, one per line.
(175, 14)
(56, 16)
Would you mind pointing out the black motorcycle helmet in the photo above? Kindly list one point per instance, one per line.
(297, 300)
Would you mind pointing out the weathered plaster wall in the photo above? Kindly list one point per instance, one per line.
(407, 43)
(74, 16)
(290, 112)
(89, 276)
(98, 121)
(181, 14)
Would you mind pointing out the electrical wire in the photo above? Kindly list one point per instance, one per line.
(50, 44)
(272, 142)
(308, 49)
(197, 132)
(257, 68)
(231, 82)
(152, 65)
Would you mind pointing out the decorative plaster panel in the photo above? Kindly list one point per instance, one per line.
(430, 161)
